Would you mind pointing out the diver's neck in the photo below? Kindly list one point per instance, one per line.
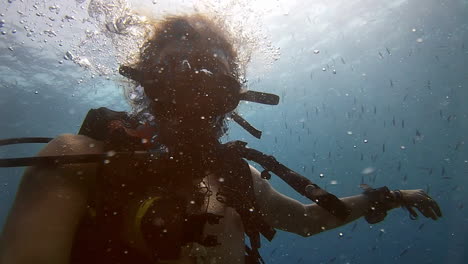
(192, 145)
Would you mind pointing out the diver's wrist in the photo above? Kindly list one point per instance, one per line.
(397, 198)
(381, 200)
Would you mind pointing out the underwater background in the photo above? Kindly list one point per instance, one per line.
(371, 92)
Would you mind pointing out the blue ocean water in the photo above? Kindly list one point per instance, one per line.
(370, 93)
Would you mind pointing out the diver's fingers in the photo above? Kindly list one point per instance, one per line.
(434, 212)
(431, 213)
(413, 214)
(436, 208)
(432, 206)
(425, 210)
(429, 208)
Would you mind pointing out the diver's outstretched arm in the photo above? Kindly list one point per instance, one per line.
(49, 205)
(290, 215)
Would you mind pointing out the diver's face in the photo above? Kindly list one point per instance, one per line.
(183, 55)
(185, 82)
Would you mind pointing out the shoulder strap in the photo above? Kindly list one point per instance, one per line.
(117, 130)
(97, 121)
(239, 193)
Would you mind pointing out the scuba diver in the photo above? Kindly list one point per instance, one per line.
(165, 189)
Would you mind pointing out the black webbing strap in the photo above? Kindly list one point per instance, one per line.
(253, 256)
(239, 194)
(301, 184)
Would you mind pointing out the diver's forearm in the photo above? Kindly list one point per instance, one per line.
(317, 219)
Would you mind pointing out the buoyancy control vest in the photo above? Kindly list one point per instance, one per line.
(130, 195)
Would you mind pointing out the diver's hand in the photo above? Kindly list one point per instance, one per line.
(420, 200)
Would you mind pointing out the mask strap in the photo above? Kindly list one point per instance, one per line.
(131, 73)
(246, 125)
(259, 97)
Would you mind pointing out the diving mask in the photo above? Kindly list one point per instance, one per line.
(196, 90)
(186, 91)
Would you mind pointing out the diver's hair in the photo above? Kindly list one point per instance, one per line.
(201, 32)
(198, 30)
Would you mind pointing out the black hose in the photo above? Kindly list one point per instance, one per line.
(11, 141)
(73, 159)
(301, 184)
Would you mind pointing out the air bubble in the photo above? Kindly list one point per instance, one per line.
(349, 132)
(321, 175)
(316, 51)
(221, 179)
(36, 92)
(366, 141)
(402, 147)
(68, 18)
(341, 234)
(68, 56)
(50, 33)
(324, 69)
(419, 40)
(54, 9)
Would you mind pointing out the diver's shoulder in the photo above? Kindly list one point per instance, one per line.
(66, 144)
(254, 171)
